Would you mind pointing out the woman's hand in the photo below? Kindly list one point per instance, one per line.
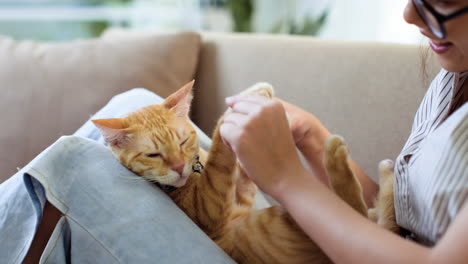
(258, 132)
(310, 136)
(307, 130)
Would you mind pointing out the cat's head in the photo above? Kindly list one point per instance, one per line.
(156, 142)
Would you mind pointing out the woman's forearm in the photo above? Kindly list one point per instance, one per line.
(312, 148)
(343, 234)
(310, 135)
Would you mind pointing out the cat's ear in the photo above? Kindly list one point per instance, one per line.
(113, 130)
(181, 100)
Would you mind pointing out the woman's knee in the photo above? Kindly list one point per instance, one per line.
(138, 94)
(119, 106)
(127, 102)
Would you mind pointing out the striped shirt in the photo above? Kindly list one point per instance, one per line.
(431, 172)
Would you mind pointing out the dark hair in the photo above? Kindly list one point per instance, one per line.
(425, 54)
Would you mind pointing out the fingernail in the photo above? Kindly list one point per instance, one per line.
(229, 99)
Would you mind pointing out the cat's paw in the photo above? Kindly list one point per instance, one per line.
(337, 167)
(262, 89)
(336, 157)
(386, 165)
(386, 168)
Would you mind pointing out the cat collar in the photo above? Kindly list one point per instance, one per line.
(167, 188)
(197, 166)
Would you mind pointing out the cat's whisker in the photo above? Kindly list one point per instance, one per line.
(137, 178)
(132, 178)
(151, 180)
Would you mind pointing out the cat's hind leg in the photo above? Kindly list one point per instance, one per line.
(270, 236)
(384, 205)
(341, 177)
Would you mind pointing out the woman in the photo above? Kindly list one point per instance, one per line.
(431, 173)
(343, 234)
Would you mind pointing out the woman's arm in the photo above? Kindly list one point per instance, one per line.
(348, 237)
(257, 130)
(309, 136)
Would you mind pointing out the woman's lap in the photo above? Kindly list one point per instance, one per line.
(109, 213)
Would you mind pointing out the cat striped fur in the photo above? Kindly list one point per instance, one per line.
(156, 140)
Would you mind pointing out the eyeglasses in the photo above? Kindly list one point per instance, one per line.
(435, 20)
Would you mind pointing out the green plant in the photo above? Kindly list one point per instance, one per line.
(96, 28)
(241, 12)
(103, 2)
(309, 26)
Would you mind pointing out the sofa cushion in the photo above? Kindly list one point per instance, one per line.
(50, 89)
(367, 92)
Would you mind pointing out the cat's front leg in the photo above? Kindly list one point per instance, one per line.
(216, 186)
(227, 194)
(245, 191)
(271, 236)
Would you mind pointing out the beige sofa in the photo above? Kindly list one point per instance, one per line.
(367, 92)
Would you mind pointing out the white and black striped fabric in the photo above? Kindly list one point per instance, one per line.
(431, 172)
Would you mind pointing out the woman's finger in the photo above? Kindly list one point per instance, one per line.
(237, 119)
(245, 107)
(255, 99)
(229, 133)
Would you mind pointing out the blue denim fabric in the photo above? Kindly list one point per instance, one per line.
(110, 214)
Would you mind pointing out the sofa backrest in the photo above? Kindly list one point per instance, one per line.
(366, 92)
(51, 89)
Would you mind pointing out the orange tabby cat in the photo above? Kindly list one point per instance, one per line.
(158, 143)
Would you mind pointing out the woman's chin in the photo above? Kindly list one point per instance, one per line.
(452, 63)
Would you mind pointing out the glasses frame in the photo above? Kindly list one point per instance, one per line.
(441, 19)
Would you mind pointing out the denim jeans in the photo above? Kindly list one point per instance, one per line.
(110, 214)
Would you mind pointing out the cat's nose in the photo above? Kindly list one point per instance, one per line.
(179, 168)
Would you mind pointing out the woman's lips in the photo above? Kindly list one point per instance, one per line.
(440, 47)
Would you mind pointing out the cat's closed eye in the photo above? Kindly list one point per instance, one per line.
(183, 142)
(154, 155)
